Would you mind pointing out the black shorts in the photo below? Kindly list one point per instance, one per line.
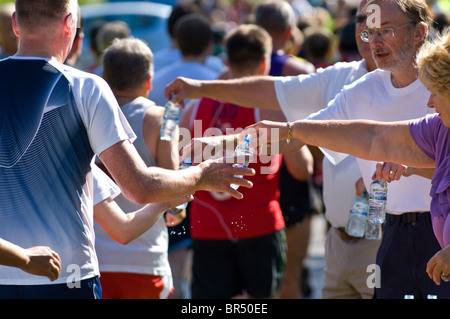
(297, 198)
(223, 269)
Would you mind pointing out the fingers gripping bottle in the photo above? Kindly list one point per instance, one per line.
(377, 200)
(243, 149)
(358, 215)
(170, 121)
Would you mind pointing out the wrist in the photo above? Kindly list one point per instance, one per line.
(289, 132)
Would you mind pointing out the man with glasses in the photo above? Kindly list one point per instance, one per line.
(392, 93)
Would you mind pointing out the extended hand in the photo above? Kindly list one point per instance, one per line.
(438, 267)
(389, 171)
(219, 174)
(182, 88)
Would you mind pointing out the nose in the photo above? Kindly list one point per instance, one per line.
(376, 38)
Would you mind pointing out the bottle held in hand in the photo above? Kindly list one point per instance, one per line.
(170, 121)
(243, 149)
(377, 200)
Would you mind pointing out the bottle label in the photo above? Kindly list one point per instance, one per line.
(378, 194)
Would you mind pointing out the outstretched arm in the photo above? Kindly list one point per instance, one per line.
(378, 141)
(253, 92)
(142, 184)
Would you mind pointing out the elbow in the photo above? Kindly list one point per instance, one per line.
(137, 197)
(124, 241)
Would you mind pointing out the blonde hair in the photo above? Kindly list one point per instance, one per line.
(433, 62)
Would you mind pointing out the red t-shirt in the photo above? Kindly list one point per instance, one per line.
(220, 216)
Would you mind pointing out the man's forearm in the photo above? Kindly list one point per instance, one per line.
(252, 92)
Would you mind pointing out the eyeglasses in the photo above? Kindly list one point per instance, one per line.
(385, 33)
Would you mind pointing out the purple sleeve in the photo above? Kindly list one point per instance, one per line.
(423, 132)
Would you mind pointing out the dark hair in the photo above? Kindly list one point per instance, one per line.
(193, 34)
(177, 13)
(247, 46)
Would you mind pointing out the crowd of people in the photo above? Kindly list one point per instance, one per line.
(88, 189)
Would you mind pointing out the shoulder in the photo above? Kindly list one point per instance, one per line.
(294, 66)
(368, 79)
(153, 114)
(80, 78)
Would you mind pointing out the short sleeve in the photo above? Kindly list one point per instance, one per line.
(104, 121)
(104, 187)
(423, 131)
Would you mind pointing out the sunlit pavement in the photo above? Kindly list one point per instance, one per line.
(315, 263)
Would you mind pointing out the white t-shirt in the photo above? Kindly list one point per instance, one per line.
(374, 97)
(55, 119)
(104, 187)
(299, 96)
(169, 73)
(169, 55)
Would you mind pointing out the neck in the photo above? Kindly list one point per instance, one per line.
(404, 77)
(38, 47)
(190, 58)
(370, 65)
(126, 96)
(242, 73)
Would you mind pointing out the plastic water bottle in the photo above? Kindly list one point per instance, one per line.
(358, 215)
(377, 200)
(170, 121)
(242, 149)
(187, 162)
(373, 230)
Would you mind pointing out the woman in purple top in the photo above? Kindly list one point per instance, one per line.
(422, 143)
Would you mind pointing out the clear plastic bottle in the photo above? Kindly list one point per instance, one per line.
(170, 121)
(377, 200)
(373, 230)
(187, 162)
(242, 149)
(358, 215)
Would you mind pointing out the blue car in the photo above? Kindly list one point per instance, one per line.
(147, 21)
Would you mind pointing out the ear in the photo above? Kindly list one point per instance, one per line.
(287, 34)
(264, 67)
(69, 22)
(148, 83)
(14, 24)
(421, 32)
